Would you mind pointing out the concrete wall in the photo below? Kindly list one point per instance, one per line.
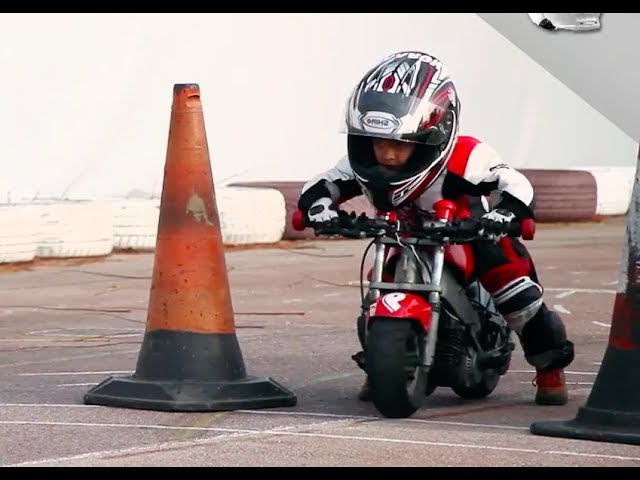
(599, 65)
(86, 97)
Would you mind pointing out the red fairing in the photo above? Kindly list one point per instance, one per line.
(460, 256)
(402, 306)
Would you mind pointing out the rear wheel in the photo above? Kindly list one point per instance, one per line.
(480, 383)
(393, 356)
(483, 384)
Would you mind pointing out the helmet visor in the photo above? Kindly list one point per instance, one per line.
(396, 116)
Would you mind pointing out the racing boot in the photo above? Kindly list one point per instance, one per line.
(551, 387)
(548, 350)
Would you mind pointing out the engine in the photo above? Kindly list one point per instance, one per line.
(451, 349)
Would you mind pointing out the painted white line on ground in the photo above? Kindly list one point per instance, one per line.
(293, 414)
(328, 378)
(565, 294)
(52, 374)
(47, 340)
(59, 331)
(309, 414)
(48, 405)
(580, 290)
(75, 384)
(371, 417)
(65, 359)
(127, 451)
(465, 424)
(591, 455)
(161, 446)
(561, 309)
(600, 324)
(146, 426)
(456, 445)
(306, 414)
(615, 282)
(283, 432)
(581, 390)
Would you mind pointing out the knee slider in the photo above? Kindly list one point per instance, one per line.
(552, 359)
(519, 302)
(544, 341)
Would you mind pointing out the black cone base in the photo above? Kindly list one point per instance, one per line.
(186, 371)
(595, 425)
(612, 411)
(192, 396)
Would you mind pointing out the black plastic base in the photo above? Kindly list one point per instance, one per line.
(190, 396)
(589, 424)
(187, 371)
(612, 411)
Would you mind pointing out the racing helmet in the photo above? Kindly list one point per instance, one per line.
(409, 97)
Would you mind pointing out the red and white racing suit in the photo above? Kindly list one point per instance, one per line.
(505, 269)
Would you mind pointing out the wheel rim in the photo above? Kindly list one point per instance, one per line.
(416, 388)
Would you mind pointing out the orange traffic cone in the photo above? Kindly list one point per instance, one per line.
(190, 359)
(612, 411)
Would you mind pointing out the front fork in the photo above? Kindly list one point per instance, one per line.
(410, 270)
(379, 258)
(429, 347)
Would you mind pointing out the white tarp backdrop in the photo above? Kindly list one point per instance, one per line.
(86, 98)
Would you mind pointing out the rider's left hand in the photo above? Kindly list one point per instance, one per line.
(493, 218)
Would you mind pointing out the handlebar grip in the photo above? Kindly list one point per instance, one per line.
(527, 229)
(524, 229)
(297, 220)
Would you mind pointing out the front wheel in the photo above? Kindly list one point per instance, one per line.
(393, 357)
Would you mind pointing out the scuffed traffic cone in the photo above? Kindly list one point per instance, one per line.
(190, 359)
(612, 411)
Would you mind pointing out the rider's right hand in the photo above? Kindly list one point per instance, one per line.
(321, 211)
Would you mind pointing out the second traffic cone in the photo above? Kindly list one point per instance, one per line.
(190, 359)
(612, 411)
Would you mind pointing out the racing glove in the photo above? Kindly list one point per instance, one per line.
(493, 221)
(322, 211)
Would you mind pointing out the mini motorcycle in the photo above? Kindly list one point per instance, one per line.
(429, 323)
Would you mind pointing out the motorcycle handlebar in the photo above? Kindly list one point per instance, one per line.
(352, 226)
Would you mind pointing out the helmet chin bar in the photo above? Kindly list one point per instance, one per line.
(394, 195)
